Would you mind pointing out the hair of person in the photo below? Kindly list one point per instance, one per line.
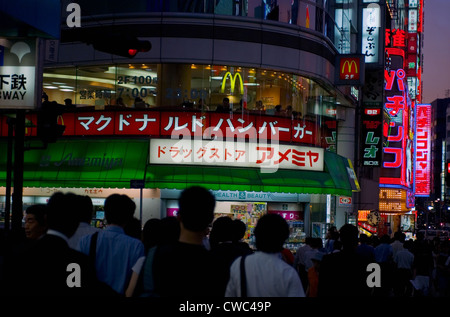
(86, 208)
(385, 238)
(170, 231)
(239, 229)
(363, 238)
(308, 240)
(409, 245)
(196, 208)
(119, 209)
(271, 232)
(222, 230)
(133, 228)
(62, 213)
(348, 235)
(317, 243)
(151, 232)
(40, 213)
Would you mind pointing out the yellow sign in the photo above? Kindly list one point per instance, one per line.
(232, 82)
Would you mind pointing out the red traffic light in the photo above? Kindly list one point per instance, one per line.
(132, 52)
(121, 45)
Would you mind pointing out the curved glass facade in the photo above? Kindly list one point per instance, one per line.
(194, 86)
(333, 18)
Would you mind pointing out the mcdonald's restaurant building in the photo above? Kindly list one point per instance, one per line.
(150, 126)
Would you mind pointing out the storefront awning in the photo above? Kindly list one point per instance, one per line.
(114, 163)
(81, 163)
(334, 180)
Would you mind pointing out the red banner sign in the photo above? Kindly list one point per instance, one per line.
(423, 150)
(165, 124)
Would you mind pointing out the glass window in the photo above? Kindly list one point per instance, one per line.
(181, 87)
(60, 84)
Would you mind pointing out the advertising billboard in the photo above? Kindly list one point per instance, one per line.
(423, 150)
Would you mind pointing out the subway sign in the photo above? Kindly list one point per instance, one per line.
(350, 70)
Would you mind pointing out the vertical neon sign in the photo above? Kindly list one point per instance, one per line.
(397, 167)
(423, 150)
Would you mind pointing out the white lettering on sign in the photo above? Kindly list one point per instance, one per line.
(17, 86)
(236, 154)
(73, 19)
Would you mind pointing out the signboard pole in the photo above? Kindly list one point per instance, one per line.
(138, 183)
(140, 204)
(9, 173)
(17, 204)
(358, 168)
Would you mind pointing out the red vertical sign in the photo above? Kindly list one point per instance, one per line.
(423, 150)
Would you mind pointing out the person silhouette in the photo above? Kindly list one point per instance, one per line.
(196, 276)
(265, 274)
(344, 273)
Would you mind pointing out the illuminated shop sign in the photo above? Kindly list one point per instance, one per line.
(393, 200)
(235, 154)
(423, 150)
(350, 70)
(412, 20)
(362, 215)
(232, 82)
(395, 38)
(412, 43)
(371, 133)
(371, 33)
(345, 201)
(208, 125)
(18, 74)
(412, 87)
(397, 168)
(413, 3)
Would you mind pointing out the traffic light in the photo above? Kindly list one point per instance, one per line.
(447, 173)
(121, 45)
(48, 129)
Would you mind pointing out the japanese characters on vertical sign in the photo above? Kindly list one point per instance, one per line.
(235, 154)
(397, 168)
(412, 20)
(19, 74)
(371, 33)
(371, 134)
(395, 38)
(423, 150)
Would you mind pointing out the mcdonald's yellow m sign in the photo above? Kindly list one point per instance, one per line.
(349, 68)
(232, 82)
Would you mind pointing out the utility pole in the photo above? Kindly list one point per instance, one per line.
(17, 204)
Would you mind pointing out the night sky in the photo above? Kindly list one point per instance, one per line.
(436, 50)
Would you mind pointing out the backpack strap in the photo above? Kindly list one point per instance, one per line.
(93, 247)
(243, 277)
(149, 285)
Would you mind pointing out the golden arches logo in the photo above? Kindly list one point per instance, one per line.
(349, 67)
(60, 119)
(232, 82)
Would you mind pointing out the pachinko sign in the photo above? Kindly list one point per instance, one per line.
(423, 150)
(397, 168)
